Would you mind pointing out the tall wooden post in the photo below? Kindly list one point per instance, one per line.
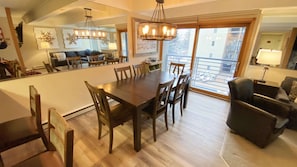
(15, 40)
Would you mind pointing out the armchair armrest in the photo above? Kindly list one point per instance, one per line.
(250, 119)
(271, 105)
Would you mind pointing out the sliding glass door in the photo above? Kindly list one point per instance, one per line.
(216, 58)
(179, 50)
(211, 55)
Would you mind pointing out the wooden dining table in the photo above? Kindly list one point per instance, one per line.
(138, 92)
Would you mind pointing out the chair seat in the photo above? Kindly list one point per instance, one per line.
(15, 132)
(120, 113)
(171, 97)
(45, 159)
(149, 110)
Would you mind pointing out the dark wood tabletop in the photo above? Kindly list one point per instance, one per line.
(138, 92)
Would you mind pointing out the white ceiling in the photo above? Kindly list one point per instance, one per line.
(274, 19)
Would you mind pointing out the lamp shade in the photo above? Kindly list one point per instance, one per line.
(269, 57)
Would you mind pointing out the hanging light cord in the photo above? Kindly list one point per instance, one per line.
(159, 14)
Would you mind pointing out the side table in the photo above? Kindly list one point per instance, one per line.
(267, 88)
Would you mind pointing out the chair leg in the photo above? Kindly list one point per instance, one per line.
(166, 124)
(181, 107)
(100, 130)
(154, 129)
(110, 140)
(1, 162)
(173, 111)
(44, 140)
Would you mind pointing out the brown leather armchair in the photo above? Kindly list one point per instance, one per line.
(258, 118)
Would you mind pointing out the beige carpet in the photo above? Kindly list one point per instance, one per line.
(239, 152)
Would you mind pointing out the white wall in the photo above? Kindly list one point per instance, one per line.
(65, 91)
(273, 74)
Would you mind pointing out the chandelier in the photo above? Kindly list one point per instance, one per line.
(157, 28)
(91, 32)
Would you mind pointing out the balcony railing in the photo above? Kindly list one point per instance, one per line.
(210, 74)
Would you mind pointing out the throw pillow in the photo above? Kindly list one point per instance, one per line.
(60, 56)
(293, 92)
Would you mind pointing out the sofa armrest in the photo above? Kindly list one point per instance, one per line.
(271, 105)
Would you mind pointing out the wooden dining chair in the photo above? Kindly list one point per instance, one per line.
(123, 72)
(60, 149)
(176, 68)
(111, 116)
(139, 69)
(74, 62)
(177, 94)
(49, 68)
(96, 60)
(123, 59)
(159, 106)
(22, 130)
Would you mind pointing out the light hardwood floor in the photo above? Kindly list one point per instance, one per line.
(194, 140)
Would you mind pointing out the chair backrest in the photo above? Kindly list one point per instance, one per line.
(60, 137)
(48, 67)
(123, 72)
(162, 96)
(180, 85)
(93, 58)
(123, 58)
(35, 109)
(100, 102)
(74, 61)
(241, 89)
(139, 69)
(176, 68)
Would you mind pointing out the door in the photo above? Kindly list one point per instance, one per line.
(216, 58)
(211, 54)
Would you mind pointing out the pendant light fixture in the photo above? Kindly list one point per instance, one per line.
(91, 31)
(157, 28)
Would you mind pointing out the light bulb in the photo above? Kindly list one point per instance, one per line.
(153, 32)
(165, 30)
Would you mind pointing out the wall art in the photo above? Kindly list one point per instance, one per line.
(69, 38)
(46, 35)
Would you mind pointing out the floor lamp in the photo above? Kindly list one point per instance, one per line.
(46, 46)
(268, 57)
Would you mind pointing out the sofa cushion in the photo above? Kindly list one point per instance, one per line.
(287, 83)
(293, 91)
(61, 56)
(70, 53)
(81, 53)
(95, 52)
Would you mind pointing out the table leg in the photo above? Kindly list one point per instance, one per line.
(137, 129)
(186, 95)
